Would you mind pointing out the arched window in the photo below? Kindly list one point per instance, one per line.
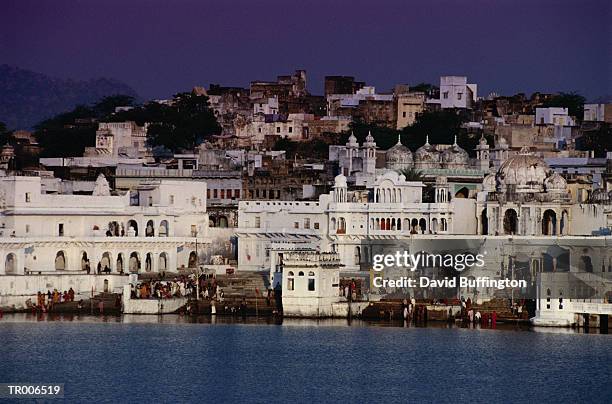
(163, 262)
(290, 281)
(399, 224)
(434, 225)
(150, 229)
(134, 262)
(510, 222)
(60, 261)
(549, 223)
(423, 225)
(484, 222)
(119, 263)
(193, 260)
(148, 262)
(301, 273)
(105, 262)
(132, 224)
(163, 229)
(84, 261)
(10, 264)
(223, 222)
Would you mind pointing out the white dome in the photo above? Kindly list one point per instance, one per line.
(455, 156)
(398, 157)
(523, 172)
(427, 156)
(555, 183)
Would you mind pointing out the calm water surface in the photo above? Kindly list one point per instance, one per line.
(120, 359)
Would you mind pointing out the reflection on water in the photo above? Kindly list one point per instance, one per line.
(289, 322)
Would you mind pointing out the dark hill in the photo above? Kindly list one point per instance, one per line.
(26, 97)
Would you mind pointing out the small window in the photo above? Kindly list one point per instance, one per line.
(257, 222)
(296, 225)
(278, 129)
(259, 130)
(404, 114)
(459, 95)
(194, 230)
(27, 229)
(316, 225)
(290, 284)
(291, 129)
(60, 229)
(311, 284)
(236, 193)
(445, 95)
(172, 199)
(214, 193)
(27, 197)
(307, 223)
(150, 201)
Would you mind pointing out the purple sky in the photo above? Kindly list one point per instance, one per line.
(160, 47)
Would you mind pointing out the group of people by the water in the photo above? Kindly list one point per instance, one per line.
(45, 301)
(350, 289)
(472, 315)
(182, 286)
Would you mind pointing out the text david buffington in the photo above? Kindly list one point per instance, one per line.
(422, 259)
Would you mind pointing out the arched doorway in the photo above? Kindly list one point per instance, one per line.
(120, 263)
(413, 225)
(357, 256)
(134, 262)
(462, 193)
(549, 223)
(132, 224)
(163, 262)
(163, 229)
(10, 264)
(84, 261)
(193, 260)
(434, 225)
(484, 222)
(510, 222)
(223, 221)
(105, 262)
(423, 225)
(563, 226)
(60, 261)
(148, 263)
(150, 229)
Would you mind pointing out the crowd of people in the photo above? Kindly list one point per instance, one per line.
(183, 286)
(44, 301)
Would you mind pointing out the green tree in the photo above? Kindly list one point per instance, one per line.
(183, 125)
(573, 101)
(315, 148)
(5, 134)
(412, 174)
(383, 136)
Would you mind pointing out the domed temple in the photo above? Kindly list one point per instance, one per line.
(525, 197)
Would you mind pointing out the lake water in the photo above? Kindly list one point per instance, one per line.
(119, 359)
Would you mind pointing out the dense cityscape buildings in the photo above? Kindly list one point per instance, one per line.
(249, 175)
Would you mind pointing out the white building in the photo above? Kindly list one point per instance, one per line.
(152, 229)
(598, 112)
(125, 139)
(350, 222)
(455, 92)
(553, 116)
(310, 284)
